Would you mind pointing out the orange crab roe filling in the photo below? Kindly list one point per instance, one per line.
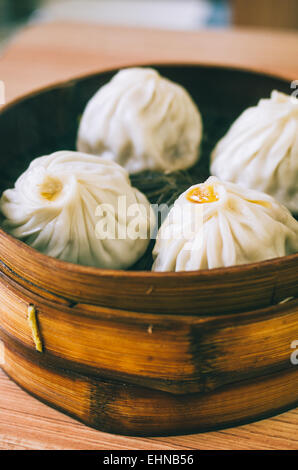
(202, 195)
(51, 188)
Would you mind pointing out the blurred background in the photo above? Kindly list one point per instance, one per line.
(165, 14)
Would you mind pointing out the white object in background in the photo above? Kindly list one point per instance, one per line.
(2, 93)
(260, 151)
(145, 121)
(177, 15)
(226, 225)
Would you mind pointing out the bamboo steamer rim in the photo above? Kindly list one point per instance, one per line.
(93, 271)
(59, 265)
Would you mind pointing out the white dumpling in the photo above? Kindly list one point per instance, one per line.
(260, 150)
(65, 205)
(217, 224)
(145, 120)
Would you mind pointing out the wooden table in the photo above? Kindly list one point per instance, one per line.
(43, 54)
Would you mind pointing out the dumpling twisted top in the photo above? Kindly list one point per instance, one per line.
(260, 150)
(218, 224)
(145, 120)
(79, 208)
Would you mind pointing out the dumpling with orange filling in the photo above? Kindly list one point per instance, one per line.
(79, 208)
(217, 224)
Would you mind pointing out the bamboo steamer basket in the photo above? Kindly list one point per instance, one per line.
(137, 352)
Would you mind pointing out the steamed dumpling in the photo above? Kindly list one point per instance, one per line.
(69, 205)
(144, 120)
(218, 224)
(260, 150)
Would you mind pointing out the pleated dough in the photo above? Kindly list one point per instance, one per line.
(260, 150)
(218, 224)
(144, 120)
(66, 206)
